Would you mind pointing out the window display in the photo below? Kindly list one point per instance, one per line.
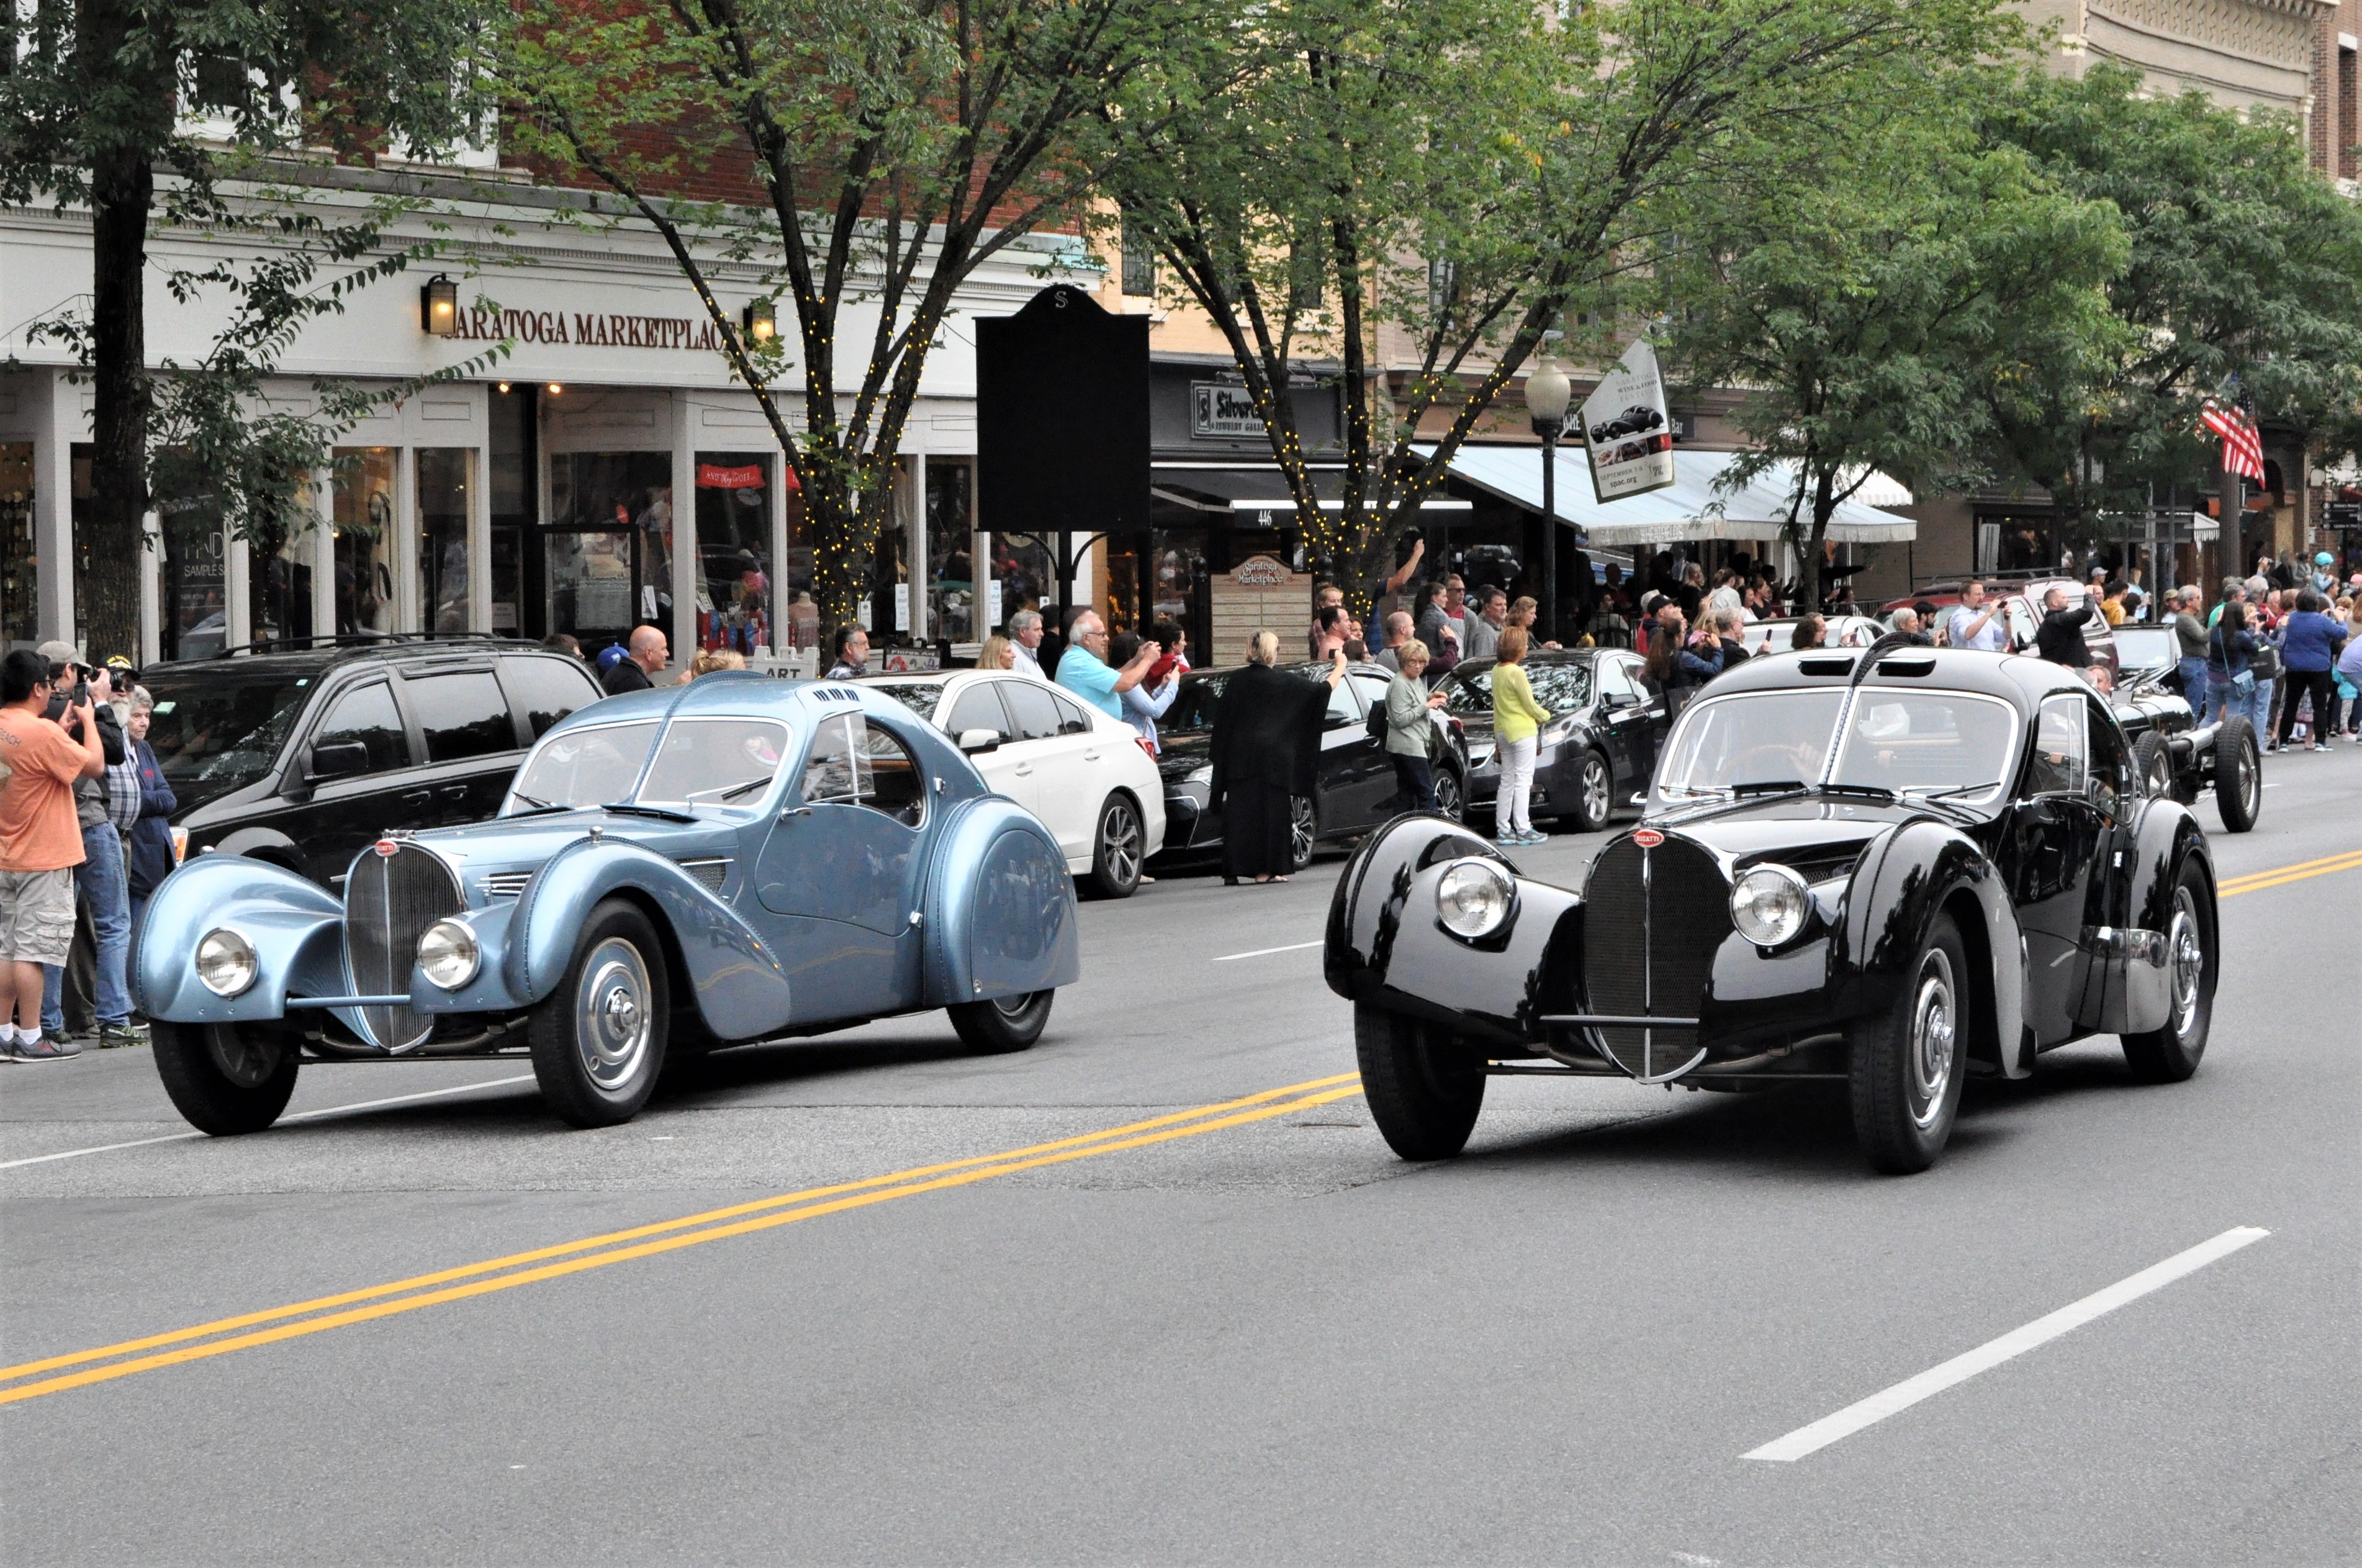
(733, 546)
(363, 512)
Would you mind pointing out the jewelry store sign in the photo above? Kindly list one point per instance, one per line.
(1222, 412)
(600, 329)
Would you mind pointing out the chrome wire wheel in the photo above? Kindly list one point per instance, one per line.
(613, 1013)
(1935, 1038)
(2186, 955)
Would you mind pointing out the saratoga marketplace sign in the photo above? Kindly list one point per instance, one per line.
(600, 329)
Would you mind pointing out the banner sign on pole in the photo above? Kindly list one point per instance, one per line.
(1627, 430)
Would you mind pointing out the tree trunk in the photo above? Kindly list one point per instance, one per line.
(122, 189)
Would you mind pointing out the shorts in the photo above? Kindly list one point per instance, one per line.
(36, 915)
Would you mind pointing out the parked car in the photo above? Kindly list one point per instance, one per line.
(1356, 781)
(1596, 752)
(1840, 632)
(1894, 867)
(1088, 777)
(673, 870)
(2021, 603)
(302, 757)
(2172, 753)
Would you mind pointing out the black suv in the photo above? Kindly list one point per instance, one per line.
(301, 758)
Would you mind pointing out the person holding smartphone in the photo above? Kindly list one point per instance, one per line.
(83, 700)
(41, 846)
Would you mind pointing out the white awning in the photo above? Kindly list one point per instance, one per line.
(1691, 508)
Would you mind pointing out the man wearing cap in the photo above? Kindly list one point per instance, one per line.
(100, 876)
(40, 845)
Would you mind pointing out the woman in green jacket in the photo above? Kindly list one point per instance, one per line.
(1517, 720)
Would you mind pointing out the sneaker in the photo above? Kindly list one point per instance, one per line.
(2321, 745)
(1507, 840)
(116, 1036)
(46, 1051)
(1535, 838)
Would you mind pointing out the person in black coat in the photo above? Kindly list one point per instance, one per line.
(2060, 638)
(1265, 751)
(148, 847)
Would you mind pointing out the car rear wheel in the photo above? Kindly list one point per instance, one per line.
(1002, 1024)
(1117, 846)
(599, 1039)
(1303, 831)
(2169, 1055)
(1595, 793)
(2239, 775)
(1906, 1064)
(2153, 761)
(226, 1078)
(1450, 797)
(1424, 1093)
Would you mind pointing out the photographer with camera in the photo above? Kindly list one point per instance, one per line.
(41, 842)
(83, 698)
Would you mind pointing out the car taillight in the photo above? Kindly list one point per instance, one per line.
(1143, 741)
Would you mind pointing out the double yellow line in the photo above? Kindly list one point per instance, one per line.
(2280, 875)
(323, 1313)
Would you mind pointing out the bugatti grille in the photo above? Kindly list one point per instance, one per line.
(1654, 919)
(390, 900)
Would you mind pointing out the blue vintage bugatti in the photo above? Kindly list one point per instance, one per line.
(672, 870)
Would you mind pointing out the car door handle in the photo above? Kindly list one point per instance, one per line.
(417, 797)
(1025, 770)
(455, 792)
(1090, 757)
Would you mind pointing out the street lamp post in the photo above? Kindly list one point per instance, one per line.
(1546, 398)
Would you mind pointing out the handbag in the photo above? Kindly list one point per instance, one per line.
(2264, 664)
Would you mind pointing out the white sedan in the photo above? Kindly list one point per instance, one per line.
(1088, 777)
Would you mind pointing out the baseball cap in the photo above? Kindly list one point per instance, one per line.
(57, 652)
(610, 657)
(2325, 559)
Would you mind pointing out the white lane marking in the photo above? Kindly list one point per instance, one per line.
(1267, 952)
(2016, 1343)
(298, 1115)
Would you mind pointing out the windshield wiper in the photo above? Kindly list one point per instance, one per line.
(539, 808)
(633, 809)
(1866, 792)
(737, 789)
(1767, 787)
(1944, 791)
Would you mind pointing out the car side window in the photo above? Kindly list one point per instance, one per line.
(1071, 719)
(892, 782)
(2111, 765)
(1030, 704)
(367, 715)
(545, 689)
(461, 716)
(979, 708)
(1373, 687)
(2061, 748)
(833, 767)
(1616, 681)
(1345, 707)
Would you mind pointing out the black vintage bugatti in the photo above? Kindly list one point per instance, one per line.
(1894, 866)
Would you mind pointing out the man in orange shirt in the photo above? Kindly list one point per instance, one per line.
(40, 844)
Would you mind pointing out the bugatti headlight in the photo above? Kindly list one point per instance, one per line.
(447, 955)
(1474, 896)
(1768, 905)
(226, 962)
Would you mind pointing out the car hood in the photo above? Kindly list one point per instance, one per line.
(520, 844)
(1184, 755)
(1817, 834)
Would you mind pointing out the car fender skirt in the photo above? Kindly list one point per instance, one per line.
(999, 911)
(737, 983)
(295, 925)
(1905, 879)
(1384, 944)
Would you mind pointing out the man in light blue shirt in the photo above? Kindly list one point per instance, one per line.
(1085, 672)
(1973, 624)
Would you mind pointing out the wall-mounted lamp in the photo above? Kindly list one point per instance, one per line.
(761, 320)
(504, 389)
(554, 388)
(439, 307)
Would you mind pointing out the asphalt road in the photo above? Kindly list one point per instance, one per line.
(1229, 1331)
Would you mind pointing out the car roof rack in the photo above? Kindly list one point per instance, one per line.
(361, 640)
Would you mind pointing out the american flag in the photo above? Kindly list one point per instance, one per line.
(2243, 444)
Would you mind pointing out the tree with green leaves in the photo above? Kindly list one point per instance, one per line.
(2243, 277)
(889, 148)
(1869, 313)
(149, 115)
(1426, 188)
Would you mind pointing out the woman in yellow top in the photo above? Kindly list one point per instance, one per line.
(1517, 719)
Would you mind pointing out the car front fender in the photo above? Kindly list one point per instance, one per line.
(1905, 879)
(296, 928)
(999, 911)
(738, 984)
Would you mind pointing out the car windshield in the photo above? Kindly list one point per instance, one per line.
(1558, 687)
(1194, 704)
(919, 697)
(2146, 647)
(589, 764)
(720, 764)
(217, 727)
(1926, 743)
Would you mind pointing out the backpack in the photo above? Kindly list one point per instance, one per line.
(1376, 721)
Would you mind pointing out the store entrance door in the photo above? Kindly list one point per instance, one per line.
(590, 583)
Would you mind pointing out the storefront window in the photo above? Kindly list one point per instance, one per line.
(19, 575)
(445, 490)
(1021, 566)
(510, 480)
(1177, 552)
(798, 615)
(607, 559)
(734, 543)
(1119, 581)
(951, 570)
(364, 501)
(194, 586)
(279, 585)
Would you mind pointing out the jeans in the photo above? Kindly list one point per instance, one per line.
(2195, 687)
(1415, 778)
(2260, 709)
(100, 880)
(1513, 808)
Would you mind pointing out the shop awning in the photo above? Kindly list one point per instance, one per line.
(1691, 508)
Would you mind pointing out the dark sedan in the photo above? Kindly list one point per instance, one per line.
(1597, 750)
(1357, 789)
